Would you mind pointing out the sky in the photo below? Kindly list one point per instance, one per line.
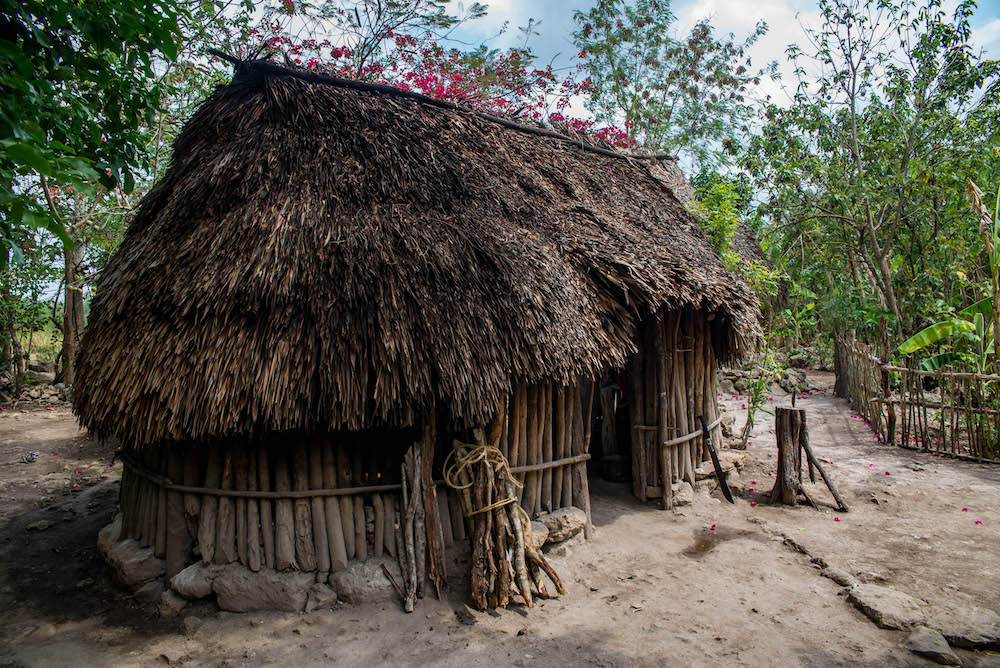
(785, 19)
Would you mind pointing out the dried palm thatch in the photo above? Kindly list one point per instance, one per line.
(318, 257)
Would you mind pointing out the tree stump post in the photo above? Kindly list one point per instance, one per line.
(789, 427)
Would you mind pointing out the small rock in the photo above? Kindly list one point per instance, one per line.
(539, 534)
(728, 422)
(320, 596)
(238, 589)
(726, 386)
(888, 608)
(777, 390)
(132, 564)
(969, 628)
(704, 470)
(563, 523)
(683, 494)
(364, 582)
(43, 366)
(840, 576)
(732, 459)
(931, 645)
(171, 604)
(706, 486)
(798, 361)
(195, 581)
(149, 592)
(40, 525)
(191, 624)
(83, 584)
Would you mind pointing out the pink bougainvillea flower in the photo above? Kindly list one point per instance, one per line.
(90, 466)
(753, 503)
(753, 482)
(871, 466)
(78, 473)
(75, 485)
(713, 527)
(743, 405)
(836, 519)
(887, 473)
(110, 464)
(965, 510)
(979, 522)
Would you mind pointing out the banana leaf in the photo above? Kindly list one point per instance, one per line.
(938, 361)
(984, 306)
(936, 332)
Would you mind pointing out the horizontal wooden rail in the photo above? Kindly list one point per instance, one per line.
(169, 484)
(693, 435)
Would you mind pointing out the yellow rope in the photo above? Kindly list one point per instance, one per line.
(460, 460)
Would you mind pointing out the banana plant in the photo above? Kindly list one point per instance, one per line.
(971, 323)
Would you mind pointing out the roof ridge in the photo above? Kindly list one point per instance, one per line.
(266, 66)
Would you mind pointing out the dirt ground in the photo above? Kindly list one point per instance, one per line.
(652, 588)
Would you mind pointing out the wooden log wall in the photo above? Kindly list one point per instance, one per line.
(548, 422)
(672, 382)
(541, 423)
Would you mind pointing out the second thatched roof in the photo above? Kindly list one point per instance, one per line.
(319, 257)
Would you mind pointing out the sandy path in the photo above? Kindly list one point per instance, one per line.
(652, 588)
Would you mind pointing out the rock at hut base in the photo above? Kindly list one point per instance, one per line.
(931, 645)
(195, 581)
(563, 523)
(704, 470)
(888, 608)
(131, 564)
(320, 596)
(238, 589)
(364, 582)
(171, 604)
(969, 628)
(539, 534)
(726, 387)
(149, 592)
(683, 494)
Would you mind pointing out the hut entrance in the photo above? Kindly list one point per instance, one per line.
(649, 427)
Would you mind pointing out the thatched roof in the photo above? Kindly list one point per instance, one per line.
(318, 257)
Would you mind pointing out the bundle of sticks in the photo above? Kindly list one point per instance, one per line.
(504, 559)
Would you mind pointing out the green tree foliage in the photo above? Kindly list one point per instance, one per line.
(686, 95)
(77, 80)
(863, 173)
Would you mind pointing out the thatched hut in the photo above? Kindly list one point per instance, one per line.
(330, 272)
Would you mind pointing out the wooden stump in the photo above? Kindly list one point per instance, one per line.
(789, 427)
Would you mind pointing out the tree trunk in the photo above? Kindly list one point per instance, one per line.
(788, 426)
(73, 320)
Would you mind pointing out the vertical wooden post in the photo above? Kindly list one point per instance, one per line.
(432, 520)
(225, 534)
(254, 560)
(558, 442)
(663, 372)
(332, 512)
(240, 483)
(266, 514)
(321, 538)
(546, 496)
(284, 517)
(530, 489)
(638, 420)
(177, 533)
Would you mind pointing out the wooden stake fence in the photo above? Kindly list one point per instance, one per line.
(960, 418)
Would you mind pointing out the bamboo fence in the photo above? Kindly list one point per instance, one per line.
(959, 418)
